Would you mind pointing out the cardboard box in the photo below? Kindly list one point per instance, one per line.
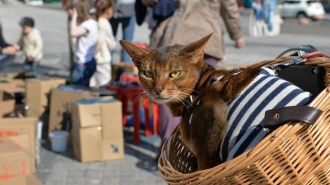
(112, 120)
(112, 149)
(103, 111)
(38, 94)
(84, 115)
(14, 78)
(97, 129)
(20, 180)
(28, 179)
(7, 103)
(21, 141)
(87, 143)
(19, 111)
(32, 180)
(60, 106)
(14, 161)
(12, 88)
(119, 68)
(10, 127)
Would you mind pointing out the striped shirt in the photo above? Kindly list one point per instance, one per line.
(247, 111)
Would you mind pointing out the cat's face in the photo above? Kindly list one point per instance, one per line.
(168, 74)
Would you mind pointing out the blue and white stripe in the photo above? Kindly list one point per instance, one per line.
(247, 111)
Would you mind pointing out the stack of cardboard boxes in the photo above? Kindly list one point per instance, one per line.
(18, 151)
(60, 106)
(15, 161)
(95, 123)
(97, 129)
(18, 135)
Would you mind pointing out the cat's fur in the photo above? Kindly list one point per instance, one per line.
(209, 120)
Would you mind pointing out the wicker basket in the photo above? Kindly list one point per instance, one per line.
(295, 153)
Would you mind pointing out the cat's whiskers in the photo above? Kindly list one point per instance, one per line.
(140, 96)
(191, 90)
(184, 98)
(182, 103)
(185, 94)
(138, 92)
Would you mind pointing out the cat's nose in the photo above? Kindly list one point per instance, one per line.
(158, 91)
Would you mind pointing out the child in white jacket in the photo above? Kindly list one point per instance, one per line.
(106, 43)
(31, 44)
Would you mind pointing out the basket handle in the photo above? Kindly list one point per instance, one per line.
(277, 117)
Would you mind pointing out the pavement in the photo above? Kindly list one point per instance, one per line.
(138, 165)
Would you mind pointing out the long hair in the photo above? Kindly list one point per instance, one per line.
(82, 7)
(101, 6)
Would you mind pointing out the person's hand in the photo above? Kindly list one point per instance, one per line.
(30, 59)
(73, 13)
(9, 50)
(239, 43)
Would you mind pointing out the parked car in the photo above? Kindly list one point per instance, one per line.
(301, 9)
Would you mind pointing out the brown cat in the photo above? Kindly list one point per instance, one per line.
(178, 77)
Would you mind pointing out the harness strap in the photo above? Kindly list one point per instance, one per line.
(191, 115)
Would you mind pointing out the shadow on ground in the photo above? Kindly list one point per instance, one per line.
(145, 152)
(9, 65)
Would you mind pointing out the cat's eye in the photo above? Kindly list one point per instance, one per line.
(149, 74)
(175, 74)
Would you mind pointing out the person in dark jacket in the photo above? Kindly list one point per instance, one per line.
(125, 15)
(3, 45)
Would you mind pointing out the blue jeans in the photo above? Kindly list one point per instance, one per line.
(31, 68)
(268, 16)
(269, 12)
(2, 57)
(82, 73)
(259, 13)
(128, 26)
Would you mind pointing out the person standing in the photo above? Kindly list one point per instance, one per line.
(6, 51)
(31, 44)
(257, 8)
(3, 45)
(125, 15)
(195, 19)
(103, 12)
(85, 30)
(269, 8)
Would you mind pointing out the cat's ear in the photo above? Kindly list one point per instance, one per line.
(135, 52)
(196, 49)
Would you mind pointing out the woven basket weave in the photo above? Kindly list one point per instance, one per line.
(295, 153)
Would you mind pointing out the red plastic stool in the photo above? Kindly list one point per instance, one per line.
(128, 77)
(124, 94)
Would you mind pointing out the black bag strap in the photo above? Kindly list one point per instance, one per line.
(277, 117)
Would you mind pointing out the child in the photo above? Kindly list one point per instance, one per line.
(30, 43)
(87, 35)
(107, 42)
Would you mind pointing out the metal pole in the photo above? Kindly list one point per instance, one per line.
(71, 53)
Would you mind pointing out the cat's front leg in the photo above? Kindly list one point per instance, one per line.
(208, 125)
(203, 128)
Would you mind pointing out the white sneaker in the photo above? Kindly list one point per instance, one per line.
(271, 34)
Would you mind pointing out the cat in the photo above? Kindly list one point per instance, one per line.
(178, 77)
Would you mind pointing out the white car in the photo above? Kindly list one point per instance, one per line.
(301, 9)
